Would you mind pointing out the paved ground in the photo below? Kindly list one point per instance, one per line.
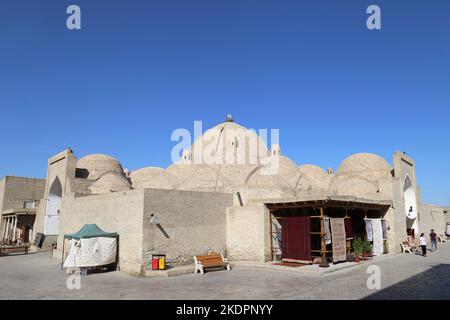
(406, 276)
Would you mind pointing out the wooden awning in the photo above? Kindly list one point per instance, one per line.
(18, 212)
(331, 203)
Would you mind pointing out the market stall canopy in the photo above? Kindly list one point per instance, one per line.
(90, 231)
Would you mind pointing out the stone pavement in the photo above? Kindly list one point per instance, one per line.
(403, 276)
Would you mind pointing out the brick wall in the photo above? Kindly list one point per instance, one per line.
(191, 223)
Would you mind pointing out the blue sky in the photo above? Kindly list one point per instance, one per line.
(140, 69)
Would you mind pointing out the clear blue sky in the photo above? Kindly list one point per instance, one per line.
(139, 69)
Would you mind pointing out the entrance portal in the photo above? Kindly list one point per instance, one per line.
(410, 207)
(51, 226)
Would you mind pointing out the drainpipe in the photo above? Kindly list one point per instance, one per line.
(240, 199)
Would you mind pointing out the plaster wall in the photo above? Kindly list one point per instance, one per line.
(248, 233)
(432, 217)
(119, 212)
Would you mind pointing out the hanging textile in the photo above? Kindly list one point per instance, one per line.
(296, 238)
(368, 229)
(348, 228)
(339, 240)
(91, 252)
(377, 230)
(384, 226)
(326, 226)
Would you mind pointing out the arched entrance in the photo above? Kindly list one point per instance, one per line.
(51, 226)
(409, 196)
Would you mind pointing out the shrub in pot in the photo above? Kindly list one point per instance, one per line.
(366, 249)
(357, 248)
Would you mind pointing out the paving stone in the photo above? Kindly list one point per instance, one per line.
(403, 276)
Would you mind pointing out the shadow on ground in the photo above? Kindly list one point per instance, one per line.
(431, 284)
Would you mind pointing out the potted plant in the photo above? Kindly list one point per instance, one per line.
(357, 248)
(366, 249)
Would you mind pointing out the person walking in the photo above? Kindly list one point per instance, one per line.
(423, 244)
(433, 237)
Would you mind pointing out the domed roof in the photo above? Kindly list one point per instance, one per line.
(360, 187)
(237, 173)
(366, 164)
(110, 182)
(287, 169)
(141, 176)
(261, 186)
(268, 181)
(228, 143)
(206, 179)
(363, 175)
(183, 170)
(95, 165)
(311, 179)
(313, 172)
(164, 180)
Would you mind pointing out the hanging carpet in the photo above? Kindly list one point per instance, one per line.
(384, 226)
(368, 229)
(377, 230)
(326, 226)
(296, 238)
(339, 239)
(348, 228)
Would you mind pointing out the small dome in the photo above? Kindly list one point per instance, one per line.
(164, 180)
(260, 180)
(287, 169)
(369, 165)
(206, 179)
(363, 175)
(237, 173)
(261, 186)
(360, 187)
(141, 176)
(311, 179)
(110, 182)
(183, 170)
(96, 165)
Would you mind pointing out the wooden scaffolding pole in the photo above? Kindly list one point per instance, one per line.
(323, 246)
(271, 235)
(347, 242)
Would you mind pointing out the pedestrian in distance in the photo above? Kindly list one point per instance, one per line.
(433, 237)
(423, 244)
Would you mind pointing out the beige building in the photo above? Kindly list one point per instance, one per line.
(19, 198)
(228, 193)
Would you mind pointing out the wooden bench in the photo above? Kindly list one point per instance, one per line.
(406, 247)
(212, 260)
(14, 249)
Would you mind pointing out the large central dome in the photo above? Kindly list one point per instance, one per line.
(228, 143)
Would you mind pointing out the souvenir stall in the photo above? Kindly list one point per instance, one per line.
(327, 229)
(90, 247)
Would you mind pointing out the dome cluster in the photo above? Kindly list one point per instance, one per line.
(105, 172)
(231, 158)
